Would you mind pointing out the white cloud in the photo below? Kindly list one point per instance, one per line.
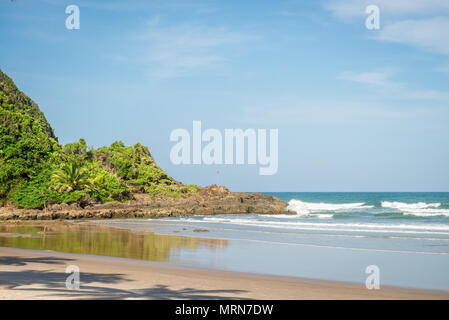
(330, 113)
(443, 68)
(429, 95)
(428, 34)
(199, 7)
(180, 50)
(377, 78)
(423, 24)
(381, 80)
(350, 9)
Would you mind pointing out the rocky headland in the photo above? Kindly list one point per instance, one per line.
(40, 179)
(210, 200)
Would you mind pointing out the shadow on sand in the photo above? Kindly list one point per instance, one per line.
(93, 285)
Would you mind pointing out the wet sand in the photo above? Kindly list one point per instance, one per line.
(40, 274)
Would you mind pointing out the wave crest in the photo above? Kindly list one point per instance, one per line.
(419, 209)
(408, 206)
(307, 208)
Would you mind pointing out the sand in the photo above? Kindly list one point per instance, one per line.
(34, 274)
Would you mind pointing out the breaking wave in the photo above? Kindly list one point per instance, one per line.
(419, 209)
(324, 210)
(408, 206)
(315, 208)
(322, 226)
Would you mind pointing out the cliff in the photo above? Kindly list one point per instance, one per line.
(41, 179)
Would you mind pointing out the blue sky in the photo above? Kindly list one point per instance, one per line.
(356, 109)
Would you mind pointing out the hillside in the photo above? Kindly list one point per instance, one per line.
(36, 171)
(26, 138)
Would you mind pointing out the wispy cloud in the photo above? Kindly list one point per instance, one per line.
(110, 5)
(376, 78)
(350, 9)
(330, 113)
(176, 51)
(382, 80)
(428, 34)
(434, 95)
(423, 24)
(199, 7)
(443, 68)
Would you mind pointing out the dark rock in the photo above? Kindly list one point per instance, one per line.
(210, 200)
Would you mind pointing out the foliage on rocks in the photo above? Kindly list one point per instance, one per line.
(36, 170)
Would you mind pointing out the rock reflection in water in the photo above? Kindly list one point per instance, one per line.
(103, 241)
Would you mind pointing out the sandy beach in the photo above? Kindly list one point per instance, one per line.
(35, 274)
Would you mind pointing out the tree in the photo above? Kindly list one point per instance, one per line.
(71, 176)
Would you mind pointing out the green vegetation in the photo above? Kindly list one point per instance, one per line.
(27, 141)
(36, 170)
(70, 177)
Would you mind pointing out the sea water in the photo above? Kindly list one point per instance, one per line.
(331, 236)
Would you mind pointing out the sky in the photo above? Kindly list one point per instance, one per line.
(355, 109)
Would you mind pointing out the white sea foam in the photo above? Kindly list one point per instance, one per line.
(307, 208)
(343, 227)
(427, 212)
(407, 206)
(419, 209)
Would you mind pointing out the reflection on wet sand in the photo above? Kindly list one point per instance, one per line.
(103, 241)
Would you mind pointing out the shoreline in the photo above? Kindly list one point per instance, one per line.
(208, 253)
(40, 274)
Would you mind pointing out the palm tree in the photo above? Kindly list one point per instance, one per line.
(71, 176)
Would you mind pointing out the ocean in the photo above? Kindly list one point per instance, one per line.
(331, 236)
